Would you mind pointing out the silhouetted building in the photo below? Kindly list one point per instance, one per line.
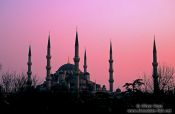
(48, 66)
(69, 75)
(111, 80)
(76, 62)
(155, 73)
(118, 90)
(29, 72)
(104, 88)
(86, 74)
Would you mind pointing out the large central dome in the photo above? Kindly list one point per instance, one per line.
(67, 67)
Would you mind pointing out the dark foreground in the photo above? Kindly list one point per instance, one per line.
(101, 102)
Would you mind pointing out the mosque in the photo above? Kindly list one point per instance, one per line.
(69, 75)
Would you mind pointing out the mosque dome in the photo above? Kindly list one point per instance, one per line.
(67, 68)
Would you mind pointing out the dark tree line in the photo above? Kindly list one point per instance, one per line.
(166, 80)
(12, 82)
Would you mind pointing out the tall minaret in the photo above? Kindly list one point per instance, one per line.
(85, 62)
(111, 80)
(76, 62)
(48, 67)
(29, 72)
(155, 73)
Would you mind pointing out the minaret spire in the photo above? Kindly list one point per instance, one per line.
(85, 62)
(76, 40)
(154, 46)
(48, 66)
(48, 44)
(111, 80)
(155, 64)
(110, 50)
(76, 62)
(29, 72)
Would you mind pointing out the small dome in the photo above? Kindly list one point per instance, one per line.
(118, 90)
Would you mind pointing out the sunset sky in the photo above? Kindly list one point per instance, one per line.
(129, 24)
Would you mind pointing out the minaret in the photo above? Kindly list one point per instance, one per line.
(111, 80)
(155, 73)
(85, 62)
(48, 66)
(29, 72)
(76, 62)
(86, 74)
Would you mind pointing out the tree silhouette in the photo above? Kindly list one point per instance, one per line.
(128, 87)
(13, 82)
(166, 79)
(135, 86)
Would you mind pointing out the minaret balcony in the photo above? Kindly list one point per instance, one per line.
(48, 57)
(111, 80)
(29, 63)
(29, 72)
(76, 59)
(155, 64)
(48, 67)
(110, 61)
(111, 70)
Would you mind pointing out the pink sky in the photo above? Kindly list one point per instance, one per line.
(130, 24)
